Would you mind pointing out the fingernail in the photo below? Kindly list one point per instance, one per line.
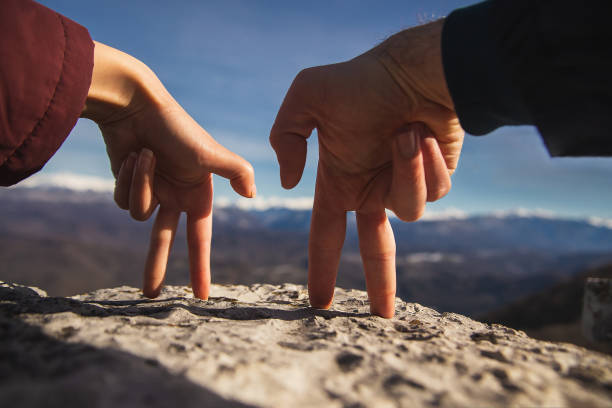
(128, 162)
(132, 158)
(407, 144)
(253, 191)
(145, 159)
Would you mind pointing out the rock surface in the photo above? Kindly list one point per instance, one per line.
(262, 346)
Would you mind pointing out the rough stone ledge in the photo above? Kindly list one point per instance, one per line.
(263, 346)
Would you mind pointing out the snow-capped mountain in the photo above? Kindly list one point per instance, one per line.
(73, 241)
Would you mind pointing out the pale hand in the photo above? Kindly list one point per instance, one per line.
(160, 156)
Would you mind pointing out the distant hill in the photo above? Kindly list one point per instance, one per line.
(553, 313)
(69, 242)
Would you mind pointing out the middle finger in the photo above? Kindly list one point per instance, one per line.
(377, 248)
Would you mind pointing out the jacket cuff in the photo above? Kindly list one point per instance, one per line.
(478, 79)
(63, 110)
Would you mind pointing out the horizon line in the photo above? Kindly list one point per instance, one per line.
(105, 186)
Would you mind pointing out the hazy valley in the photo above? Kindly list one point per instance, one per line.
(70, 242)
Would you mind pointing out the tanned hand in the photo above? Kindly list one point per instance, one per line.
(388, 139)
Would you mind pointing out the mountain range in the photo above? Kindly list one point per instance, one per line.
(71, 242)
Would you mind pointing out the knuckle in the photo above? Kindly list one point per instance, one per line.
(307, 81)
(383, 293)
(277, 133)
(151, 293)
(247, 170)
(273, 136)
(161, 241)
(376, 217)
(304, 75)
(380, 256)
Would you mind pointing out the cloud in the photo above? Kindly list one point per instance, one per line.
(444, 214)
(450, 213)
(71, 181)
(83, 183)
(265, 203)
(526, 213)
(600, 222)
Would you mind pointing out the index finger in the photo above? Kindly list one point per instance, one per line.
(327, 231)
(162, 237)
(293, 125)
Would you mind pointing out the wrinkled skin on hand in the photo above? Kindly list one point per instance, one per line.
(385, 142)
(160, 156)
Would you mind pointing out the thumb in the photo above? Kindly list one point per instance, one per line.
(231, 166)
(291, 155)
(292, 127)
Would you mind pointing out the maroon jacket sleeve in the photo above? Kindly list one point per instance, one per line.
(46, 62)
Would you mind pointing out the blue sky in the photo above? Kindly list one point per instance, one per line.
(229, 63)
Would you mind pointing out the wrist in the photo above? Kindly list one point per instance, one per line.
(413, 57)
(118, 82)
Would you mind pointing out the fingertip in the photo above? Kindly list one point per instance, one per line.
(288, 183)
(244, 188)
(439, 192)
(410, 215)
(244, 182)
(384, 313)
(201, 292)
(383, 307)
(317, 302)
(138, 216)
(151, 292)
(320, 291)
(290, 177)
(291, 150)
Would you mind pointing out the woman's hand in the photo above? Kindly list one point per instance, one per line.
(160, 156)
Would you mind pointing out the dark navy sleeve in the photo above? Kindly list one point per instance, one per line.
(539, 62)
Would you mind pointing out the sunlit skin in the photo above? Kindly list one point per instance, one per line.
(160, 157)
(388, 139)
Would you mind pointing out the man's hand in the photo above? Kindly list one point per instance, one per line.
(388, 139)
(160, 155)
